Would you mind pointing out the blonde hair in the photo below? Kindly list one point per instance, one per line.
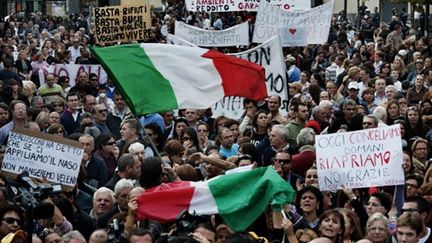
(307, 232)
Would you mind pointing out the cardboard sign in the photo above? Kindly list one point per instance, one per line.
(123, 23)
(365, 158)
(243, 5)
(235, 36)
(43, 156)
(316, 22)
(72, 72)
(268, 55)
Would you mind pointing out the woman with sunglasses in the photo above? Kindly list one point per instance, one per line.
(12, 219)
(105, 151)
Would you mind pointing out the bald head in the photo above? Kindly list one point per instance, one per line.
(98, 236)
(321, 240)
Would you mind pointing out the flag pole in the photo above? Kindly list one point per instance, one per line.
(285, 217)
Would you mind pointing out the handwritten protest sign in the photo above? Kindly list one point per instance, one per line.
(43, 156)
(316, 22)
(121, 23)
(72, 72)
(242, 5)
(293, 36)
(234, 36)
(269, 55)
(365, 158)
(175, 40)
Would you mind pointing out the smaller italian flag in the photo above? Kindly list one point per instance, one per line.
(238, 198)
(161, 77)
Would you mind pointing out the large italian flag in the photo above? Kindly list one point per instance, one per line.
(238, 198)
(161, 77)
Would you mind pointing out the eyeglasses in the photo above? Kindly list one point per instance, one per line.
(373, 204)
(411, 185)
(11, 220)
(283, 161)
(102, 111)
(409, 210)
(186, 138)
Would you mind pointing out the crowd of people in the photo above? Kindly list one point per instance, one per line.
(374, 76)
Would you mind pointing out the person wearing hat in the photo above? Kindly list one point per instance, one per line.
(353, 93)
(293, 70)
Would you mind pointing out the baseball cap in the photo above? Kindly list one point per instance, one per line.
(19, 234)
(353, 85)
(290, 58)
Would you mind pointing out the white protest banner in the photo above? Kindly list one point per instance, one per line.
(365, 158)
(72, 71)
(43, 156)
(243, 5)
(268, 55)
(316, 22)
(237, 35)
(175, 40)
(123, 23)
(293, 37)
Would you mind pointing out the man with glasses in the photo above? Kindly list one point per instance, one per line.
(412, 184)
(70, 119)
(100, 114)
(370, 121)
(420, 205)
(283, 165)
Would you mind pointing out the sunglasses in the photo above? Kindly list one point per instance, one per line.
(283, 161)
(110, 143)
(102, 111)
(11, 220)
(409, 210)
